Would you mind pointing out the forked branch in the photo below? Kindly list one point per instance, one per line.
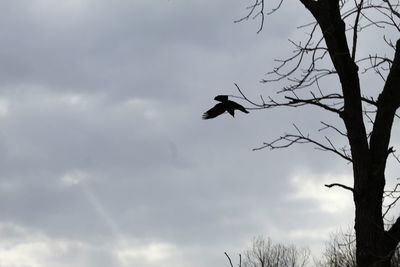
(288, 140)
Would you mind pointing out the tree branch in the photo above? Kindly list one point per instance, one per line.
(314, 101)
(289, 139)
(230, 261)
(340, 185)
(355, 29)
(388, 103)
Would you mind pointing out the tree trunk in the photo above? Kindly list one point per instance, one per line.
(375, 246)
(372, 249)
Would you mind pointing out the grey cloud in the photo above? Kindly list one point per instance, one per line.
(103, 134)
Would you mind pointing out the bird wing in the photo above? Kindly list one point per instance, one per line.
(231, 111)
(234, 105)
(221, 98)
(215, 111)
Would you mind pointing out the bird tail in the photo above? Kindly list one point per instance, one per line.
(207, 116)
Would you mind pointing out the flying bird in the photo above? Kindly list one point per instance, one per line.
(224, 105)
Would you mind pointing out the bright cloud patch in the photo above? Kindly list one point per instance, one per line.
(75, 100)
(51, 10)
(311, 187)
(22, 247)
(26, 247)
(3, 107)
(74, 177)
(315, 234)
(154, 254)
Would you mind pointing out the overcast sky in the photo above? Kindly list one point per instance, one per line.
(105, 160)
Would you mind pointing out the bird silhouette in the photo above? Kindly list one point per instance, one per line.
(224, 105)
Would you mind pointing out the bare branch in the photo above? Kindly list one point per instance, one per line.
(259, 6)
(355, 28)
(230, 261)
(288, 140)
(340, 185)
(315, 101)
(326, 126)
(394, 194)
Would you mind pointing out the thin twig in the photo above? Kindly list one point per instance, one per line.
(230, 261)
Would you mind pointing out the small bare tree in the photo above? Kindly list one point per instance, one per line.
(263, 253)
(340, 251)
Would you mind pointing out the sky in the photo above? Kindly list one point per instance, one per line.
(105, 160)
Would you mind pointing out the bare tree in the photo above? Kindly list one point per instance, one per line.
(340, 251)
(330, 56)
(263, 253)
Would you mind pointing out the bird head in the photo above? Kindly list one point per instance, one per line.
(221, 98)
